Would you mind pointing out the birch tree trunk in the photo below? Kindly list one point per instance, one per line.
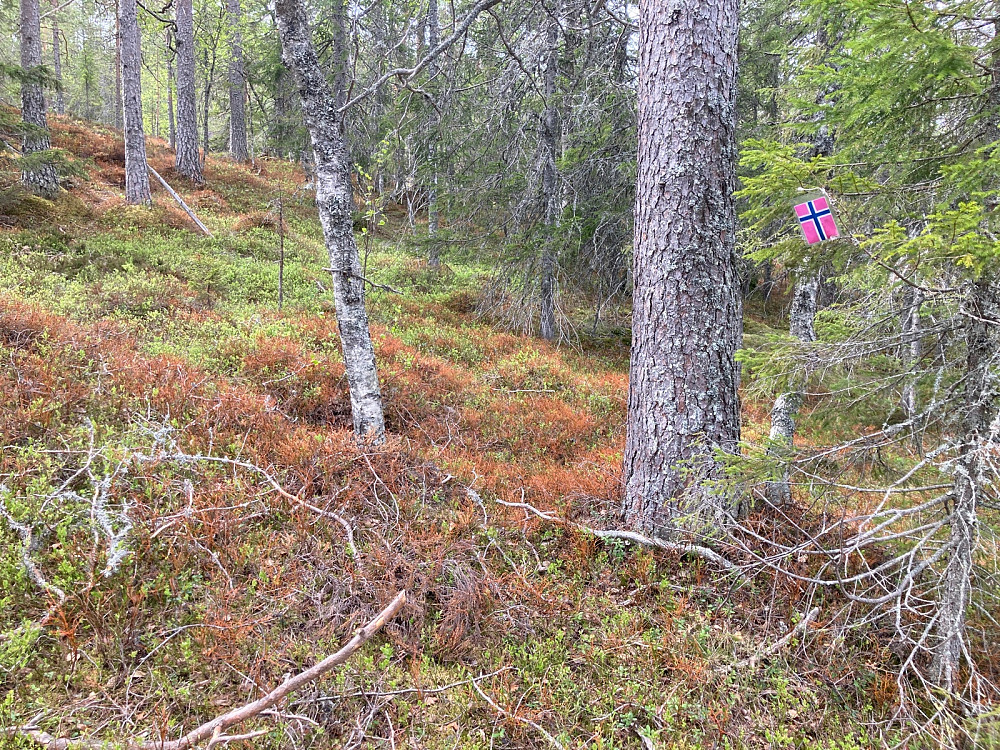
(136, 168)
(335, 201)
(687, 308)
(913, 351)
(549, 138)
(981, 434)
(802, 316)
(186, 162)
(802, 320)
(60, 102)
(38, 175)
(237, 87)
(433, 37)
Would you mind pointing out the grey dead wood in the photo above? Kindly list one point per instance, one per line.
(180, 202)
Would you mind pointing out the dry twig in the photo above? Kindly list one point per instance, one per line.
(213, 730)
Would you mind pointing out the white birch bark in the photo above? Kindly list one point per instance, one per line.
(802, 319)
(913, 351)
(335, 201)
(171, 122)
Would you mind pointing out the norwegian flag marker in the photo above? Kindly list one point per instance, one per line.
(816, 220)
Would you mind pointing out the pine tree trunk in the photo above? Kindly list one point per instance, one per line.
(206, 104)
(433, 37)
(550, 196)
(39, 175)
(687, 309)
(335, 201)
(171, 123)
(187, 162)
(119, 93)
(237, 87)
(136, 168)
(60, 103)
(981, 425)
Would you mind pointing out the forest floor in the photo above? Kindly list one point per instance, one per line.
(155, 391)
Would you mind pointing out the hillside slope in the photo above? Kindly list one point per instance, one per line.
(178, 469)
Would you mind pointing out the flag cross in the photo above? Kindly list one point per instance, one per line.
(816, 220)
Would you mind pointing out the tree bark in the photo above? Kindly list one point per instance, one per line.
(981, 432)
(136, 167)
(335, 201)
(913, 351)
(433, 38)
(186, 162)
(60, 102)
(210, 58)
(119, 93)
(687, 308)
(802, 319)
(237, 87)
(550, 196)
(802, 316)
(782, 436)
(39, 174)
(171, 123)
(980, 435)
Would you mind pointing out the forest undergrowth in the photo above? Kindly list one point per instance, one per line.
(179, 473)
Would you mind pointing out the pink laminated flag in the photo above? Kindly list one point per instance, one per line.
(816, 220)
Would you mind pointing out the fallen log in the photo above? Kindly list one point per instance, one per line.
(180, 202)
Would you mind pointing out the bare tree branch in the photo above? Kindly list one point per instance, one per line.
(408, 74)
(213, 730)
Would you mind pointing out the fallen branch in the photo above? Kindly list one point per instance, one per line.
(408, 691)
(27, 538)
(537, 727)
(180, 202)
(697, 550)
(276, 485)
(751, 662)
(213, 730)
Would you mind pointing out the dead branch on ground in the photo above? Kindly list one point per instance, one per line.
(213, 730)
